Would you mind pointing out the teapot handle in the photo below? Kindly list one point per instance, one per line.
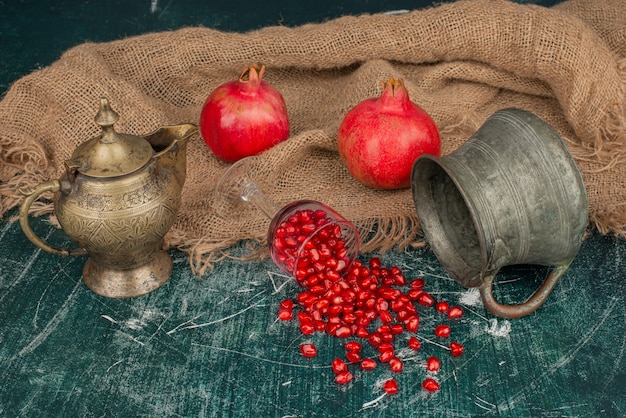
(33, 194)
(522, 309)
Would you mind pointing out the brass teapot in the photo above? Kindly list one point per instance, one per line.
(117, 199)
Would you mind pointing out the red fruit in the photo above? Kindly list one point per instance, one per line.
(307, 328)
(456, 349)
(344, 377)
(386, 356)
(286, 304)
(414, 343)
(442, 331)
(380, 138)
(343, 332)
(425, 299)
(308, 350)
(396, 365)
(353, 346)
(244, 117)
(455, 312)
(430, 385)
(339, 366)
(417, 284)
(285, 314)
(368, 364)
(353, 356)
(412, 323)
(374, 339)
(390, 387)
(442, 307)
(433, 364)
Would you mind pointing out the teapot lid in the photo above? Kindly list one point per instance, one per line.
(111, 154)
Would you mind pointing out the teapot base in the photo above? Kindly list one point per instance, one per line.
(128, 283)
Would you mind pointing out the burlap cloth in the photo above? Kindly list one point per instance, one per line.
(460, 61)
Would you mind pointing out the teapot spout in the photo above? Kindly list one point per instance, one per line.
(170, 146)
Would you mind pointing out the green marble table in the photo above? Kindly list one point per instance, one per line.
(212, 346)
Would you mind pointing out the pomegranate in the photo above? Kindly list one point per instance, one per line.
(380, 138)
(244, 117)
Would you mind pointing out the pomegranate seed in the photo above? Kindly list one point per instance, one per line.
(385, 356)
(412, 323)
(332, 327)
(353, 356)
(390, 387)
(344, 378)
(396, 365)
(385, 347)
(426, 299)
(286, 304)
(385, 317)
(362, 333)
(375, 262)
(349, 318)
(343, 332)
(307, 328)
(414, 343)
(442, 307)
(442, 331)
(308, 350)
(339, 366)
(368, 364)
(374, 339)
(285, 314)
(414, 294)
(353, 346)
(417, 284)
(399, 279)
(430, 385)
(455, 312)
(433, 364)
(382, 305)
(397, 329)
(456, 349)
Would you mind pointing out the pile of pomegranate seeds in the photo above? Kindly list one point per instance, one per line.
(324, 256)
(365, 301)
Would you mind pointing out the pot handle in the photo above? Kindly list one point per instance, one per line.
(33, 194)
(523, 309)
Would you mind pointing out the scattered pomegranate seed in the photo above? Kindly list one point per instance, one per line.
(385, 356)
(396, 365)
(456, 349)
(417, 284)
(353, 356)
(390, 387)
(353, 346)
(433, 364)
(286, 304)
(426, 299)
(365, 301)
(455, 312)
(412, 323)
(344, 377)
(285, 314)
(430, 384)
(308, 350)
(442, 331)
(442, 307)
(343, 332)
(368, 364)
(414, 343)
(339, 366)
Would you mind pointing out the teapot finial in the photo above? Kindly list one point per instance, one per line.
(106, 118)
